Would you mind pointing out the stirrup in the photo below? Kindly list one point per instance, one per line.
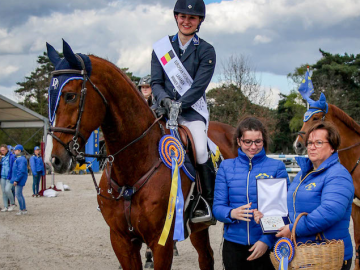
(207, 217)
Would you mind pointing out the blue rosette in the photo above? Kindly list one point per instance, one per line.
(284, 251)
(170, 147)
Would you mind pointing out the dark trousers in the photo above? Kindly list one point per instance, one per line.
(235, 255)
(346, 265)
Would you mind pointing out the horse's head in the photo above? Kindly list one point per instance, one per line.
(76, 107)
(317, 111)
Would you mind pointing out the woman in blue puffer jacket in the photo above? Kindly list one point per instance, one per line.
(323, 189)
(245, 245)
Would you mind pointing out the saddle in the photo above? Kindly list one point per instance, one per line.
(188, 143)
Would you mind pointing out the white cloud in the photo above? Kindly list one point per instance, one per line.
(7, 70)
(9, 92)
(261, 39)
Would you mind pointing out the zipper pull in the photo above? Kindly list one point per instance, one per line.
(250, 166)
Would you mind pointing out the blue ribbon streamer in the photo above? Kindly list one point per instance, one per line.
(179, 208)
(284, 263)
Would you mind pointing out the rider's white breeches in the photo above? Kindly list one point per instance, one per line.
(198, 132)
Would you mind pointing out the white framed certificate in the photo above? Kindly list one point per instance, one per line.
(272, 223)
(272, 203)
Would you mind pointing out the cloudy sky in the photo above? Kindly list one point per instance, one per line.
(276, 35)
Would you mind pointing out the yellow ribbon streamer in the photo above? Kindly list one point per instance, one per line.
(171, 207)
(215, 158)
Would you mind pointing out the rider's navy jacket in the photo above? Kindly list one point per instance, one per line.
(199, 60)
(19, 171)
(326, 195)
(37, 165)
(235, 186)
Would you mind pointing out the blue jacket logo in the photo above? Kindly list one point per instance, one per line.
(262, 176)
(310, 186)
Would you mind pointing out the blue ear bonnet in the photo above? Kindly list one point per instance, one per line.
(316, 107)
(59, 81)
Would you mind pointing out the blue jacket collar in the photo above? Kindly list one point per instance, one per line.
(257, 158)
(195, 39)
(306, 164)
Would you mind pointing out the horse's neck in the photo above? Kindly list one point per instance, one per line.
(349, 151)
(349, 134)
(127, 118)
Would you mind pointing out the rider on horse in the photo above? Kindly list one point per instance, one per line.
(197, 59)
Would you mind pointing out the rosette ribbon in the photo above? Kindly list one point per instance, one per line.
(284, 252)
(173, 155)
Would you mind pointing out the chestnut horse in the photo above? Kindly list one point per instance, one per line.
(113, 102)
(349, 154)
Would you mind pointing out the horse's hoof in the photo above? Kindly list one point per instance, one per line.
(149, 265)
(176, 253)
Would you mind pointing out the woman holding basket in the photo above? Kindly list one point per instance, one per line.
(323, 189)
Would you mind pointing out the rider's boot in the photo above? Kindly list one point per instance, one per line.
(203, 210)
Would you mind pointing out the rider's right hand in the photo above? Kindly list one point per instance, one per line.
(166, 102)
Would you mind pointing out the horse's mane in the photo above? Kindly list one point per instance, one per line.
(122, 73)
(346, 119)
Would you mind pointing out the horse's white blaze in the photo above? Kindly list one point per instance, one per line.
(295, 143)
(48, 148)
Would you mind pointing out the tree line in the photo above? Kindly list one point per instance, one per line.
(240, 94)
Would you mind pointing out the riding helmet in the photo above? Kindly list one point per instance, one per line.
(144, 81)
(191, 7)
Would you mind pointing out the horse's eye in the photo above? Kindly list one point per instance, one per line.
(315, 118)
(70, 97)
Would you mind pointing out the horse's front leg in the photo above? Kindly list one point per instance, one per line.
(201, 242)
(356, 220)
(127, 251)
(163, 255)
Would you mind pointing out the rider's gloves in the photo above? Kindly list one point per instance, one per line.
(166, 102)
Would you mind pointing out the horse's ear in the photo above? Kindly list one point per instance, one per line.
(70, 56)
(52, 54)
(322, 99)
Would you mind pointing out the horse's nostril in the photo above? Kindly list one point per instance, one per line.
(56, 162)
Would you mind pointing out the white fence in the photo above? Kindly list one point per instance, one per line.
(290, 163)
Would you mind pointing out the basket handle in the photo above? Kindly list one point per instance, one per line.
(293, 234)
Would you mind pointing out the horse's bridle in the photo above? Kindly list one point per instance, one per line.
(301, 133)
(74, 152)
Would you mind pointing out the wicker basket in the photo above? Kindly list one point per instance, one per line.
(328, 255)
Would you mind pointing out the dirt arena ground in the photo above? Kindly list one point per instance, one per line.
(67, 232)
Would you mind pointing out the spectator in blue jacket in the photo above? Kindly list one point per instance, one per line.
(323, 189)
(245, 245)
(6, 171)
(37, 169)
(19, 177)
